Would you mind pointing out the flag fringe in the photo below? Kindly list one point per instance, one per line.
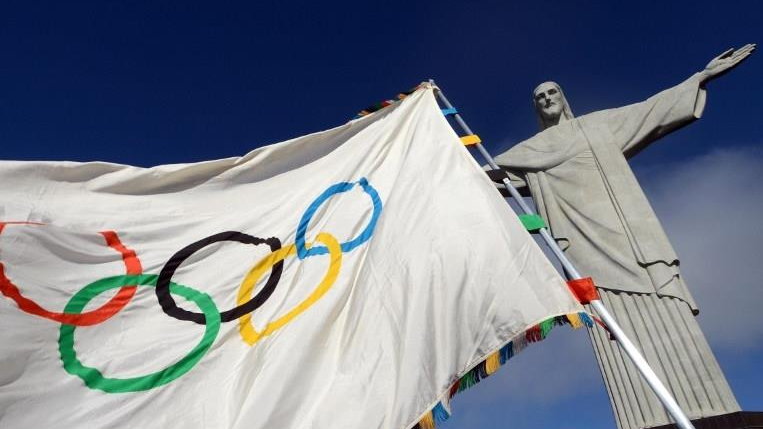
(491, 364)
(382, 104)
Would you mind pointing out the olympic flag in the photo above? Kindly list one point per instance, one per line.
(351, 278)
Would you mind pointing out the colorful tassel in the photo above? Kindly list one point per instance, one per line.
(507, 352)
(533, 334)
(378, 106)
(454, 388)
(545, 327)
(482, 371)
(494, 361)
(586, 319)
(468, 380)
(427, 422)
(520, 343)
(439, 413)
(575, 321)
(560, 321)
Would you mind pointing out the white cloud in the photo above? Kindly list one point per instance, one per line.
(712, 209)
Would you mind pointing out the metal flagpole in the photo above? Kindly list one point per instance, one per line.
(630, 349)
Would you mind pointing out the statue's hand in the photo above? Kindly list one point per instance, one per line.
(724, 62)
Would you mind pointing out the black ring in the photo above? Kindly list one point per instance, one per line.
(170, 307)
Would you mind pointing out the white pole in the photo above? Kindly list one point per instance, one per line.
(630, 349)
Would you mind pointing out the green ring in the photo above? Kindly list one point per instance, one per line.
(93, 378)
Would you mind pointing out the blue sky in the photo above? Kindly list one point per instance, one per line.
(148, 83)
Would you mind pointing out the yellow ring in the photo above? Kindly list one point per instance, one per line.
(245, 327)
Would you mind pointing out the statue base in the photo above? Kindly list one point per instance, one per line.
(738, 420)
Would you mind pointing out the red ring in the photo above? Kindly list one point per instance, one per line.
(93, 317)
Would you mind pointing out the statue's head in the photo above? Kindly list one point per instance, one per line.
(551, 105)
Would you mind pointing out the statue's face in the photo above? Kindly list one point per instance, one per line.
(548, 100)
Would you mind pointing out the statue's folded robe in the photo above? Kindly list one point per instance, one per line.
(580, 180)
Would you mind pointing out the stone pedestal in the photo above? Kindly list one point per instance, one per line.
(738, 420)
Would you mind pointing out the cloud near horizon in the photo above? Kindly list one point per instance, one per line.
(711, 208)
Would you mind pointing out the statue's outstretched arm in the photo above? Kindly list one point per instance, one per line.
(726, 61)
(637, 125)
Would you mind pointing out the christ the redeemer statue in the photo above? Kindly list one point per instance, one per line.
(578, 174)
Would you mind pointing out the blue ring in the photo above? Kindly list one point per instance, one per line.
(332, 190)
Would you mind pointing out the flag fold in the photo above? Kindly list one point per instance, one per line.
(349, 278)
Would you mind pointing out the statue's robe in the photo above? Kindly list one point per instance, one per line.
(580, 180)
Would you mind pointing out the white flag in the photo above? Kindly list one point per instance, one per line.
(350, 278)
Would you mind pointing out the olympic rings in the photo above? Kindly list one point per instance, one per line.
(338, 188)
(93, 317)
(210, 316)
(246, 329)
(93, 377)
(171, 308)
